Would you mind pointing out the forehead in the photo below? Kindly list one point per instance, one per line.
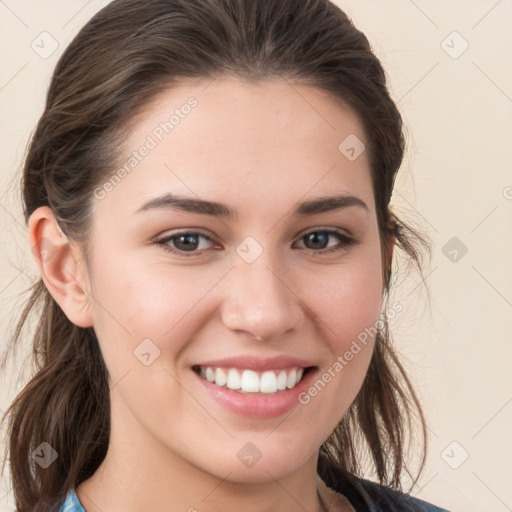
(246, 140)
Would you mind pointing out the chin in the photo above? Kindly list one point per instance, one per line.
(251, 466)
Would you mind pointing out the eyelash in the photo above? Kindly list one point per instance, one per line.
(345, 240)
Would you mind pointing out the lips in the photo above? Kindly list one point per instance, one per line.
(257, 405)
(258, 364)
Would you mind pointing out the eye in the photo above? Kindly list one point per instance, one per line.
(319, 238)
(187, 243)
(183, 243)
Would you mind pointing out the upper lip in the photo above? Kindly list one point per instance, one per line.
(258, 363)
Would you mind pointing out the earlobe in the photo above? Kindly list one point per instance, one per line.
(61, 266)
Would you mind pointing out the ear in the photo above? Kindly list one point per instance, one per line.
(61, 265)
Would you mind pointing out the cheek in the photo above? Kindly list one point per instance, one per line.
(346, 304)
(135, 301)
(346, 301)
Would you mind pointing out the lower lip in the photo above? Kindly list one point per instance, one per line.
(258, 405)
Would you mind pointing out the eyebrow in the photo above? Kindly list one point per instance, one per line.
(203, 207)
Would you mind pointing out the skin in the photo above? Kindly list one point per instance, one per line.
(260, 148)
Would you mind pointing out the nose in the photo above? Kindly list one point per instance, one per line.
(259, 301)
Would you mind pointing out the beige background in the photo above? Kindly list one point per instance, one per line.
(456, 182)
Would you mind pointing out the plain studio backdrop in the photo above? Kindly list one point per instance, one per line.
(449, 70)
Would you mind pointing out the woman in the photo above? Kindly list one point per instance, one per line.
(207, 195)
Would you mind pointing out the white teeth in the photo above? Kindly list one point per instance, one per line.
(233, 379)
(210, 374)
(292, 379)
(282, 379)
(249, 381)
(220, 377)
(268, 382)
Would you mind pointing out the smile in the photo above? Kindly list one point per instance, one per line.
(250, 381)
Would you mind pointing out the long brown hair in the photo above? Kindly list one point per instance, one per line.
(129, 52)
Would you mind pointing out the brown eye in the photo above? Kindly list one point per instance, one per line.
(183, 243)
(318, 240)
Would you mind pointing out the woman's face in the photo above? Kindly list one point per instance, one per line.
(264, 151)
